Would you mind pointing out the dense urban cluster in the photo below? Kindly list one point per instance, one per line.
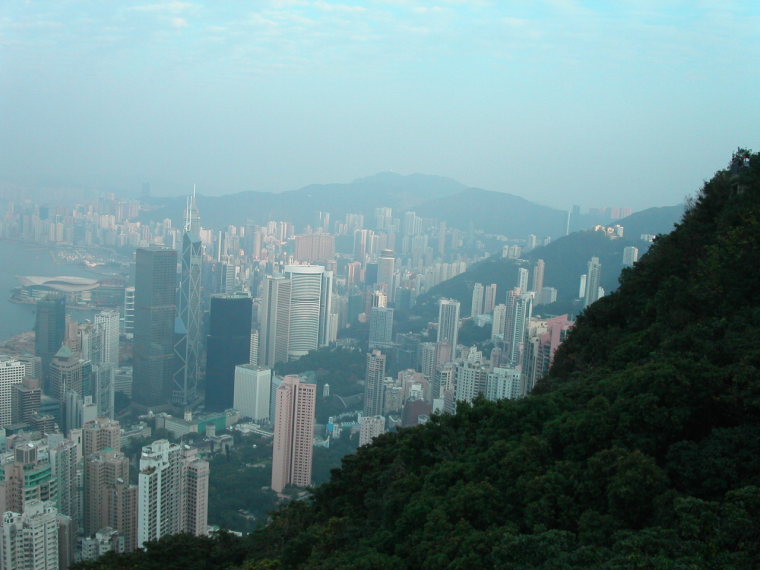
(191, 331)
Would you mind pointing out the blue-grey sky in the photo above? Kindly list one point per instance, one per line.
(625, 103)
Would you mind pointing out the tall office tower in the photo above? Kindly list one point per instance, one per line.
(310, 307)
(385, 272)
(498, 327)
(64, 463)
(228, 344)
(293, 433)
(188, 341)
(103, 471)
(515, 335)
(27, 478)
(49, 329)
(427, 357)
(314, 247)
(29, 539)
(253, 387)
(593, 281)
(155, 298)
(172, 492)
(69, 372)
(128, 318)
(503, 383)
(522, 279)
(100, 434)
(477, 300)
(274, 321)
(371, 427)
(448, 324)
(253, 353)
(538, 276)
(380, 327)
(103, 389)
(25, 399)
(489, 301)
(326, 315)
(630, 255)
(11, 375)
(32, 366)
(373, 384)
(109, 321)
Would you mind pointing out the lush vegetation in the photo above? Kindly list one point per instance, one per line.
(640, 450)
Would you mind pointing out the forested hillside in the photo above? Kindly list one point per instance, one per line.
(640, 450)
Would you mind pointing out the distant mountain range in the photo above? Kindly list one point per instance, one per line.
(430, 196)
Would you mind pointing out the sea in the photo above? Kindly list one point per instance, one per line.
(18, 258)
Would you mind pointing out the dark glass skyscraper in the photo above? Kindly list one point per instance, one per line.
(155, 311)
(229, 343)
(49, 329)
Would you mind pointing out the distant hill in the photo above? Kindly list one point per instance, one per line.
(651, 221)
(430, 196)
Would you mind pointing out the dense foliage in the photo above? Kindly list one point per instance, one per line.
(641, 449)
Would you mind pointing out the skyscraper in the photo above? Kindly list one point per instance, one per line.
(293, 433)
(155, 298)
(228, 344)
(29, 539)
(11, 374)
(448, 324)
(109, 322)
(187, 346)
(522, 310)
(385, 271)
(593, 281)
(499, 323)
(49, 329)
(274, 321)
(380, 327)
(477, 300)
(70, 372)
(371, 427)
(373, 384)
(310, 307)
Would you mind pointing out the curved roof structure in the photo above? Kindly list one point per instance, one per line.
(62, 283)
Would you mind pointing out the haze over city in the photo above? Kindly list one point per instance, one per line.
(560, 102)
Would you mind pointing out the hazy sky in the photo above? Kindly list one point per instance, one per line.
(560, 102)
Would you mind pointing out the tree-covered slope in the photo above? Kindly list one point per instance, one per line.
(640, 450)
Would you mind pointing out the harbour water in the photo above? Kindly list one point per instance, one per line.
(18, 258)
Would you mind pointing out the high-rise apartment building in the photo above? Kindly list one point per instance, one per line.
(155, 311)
(28, 477)
(522, 280)
(49, 329)
(253, 386)
(448, 324)
(380, 327)
(187, 341)
(11, 375)
(385, 273)
(310, 308)
(293, 433)
(104, 470)
(100, 434)
(503, 383)
(371, 427)
(478, 292)
(593, 281)
(172, 492)
(630, 255)
(274, 321)
(538, 276)
(489, 299)
(373, 384)
(499, 322)
(228, 344)
(29, 539)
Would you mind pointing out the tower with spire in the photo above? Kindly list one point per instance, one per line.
(187, 330)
